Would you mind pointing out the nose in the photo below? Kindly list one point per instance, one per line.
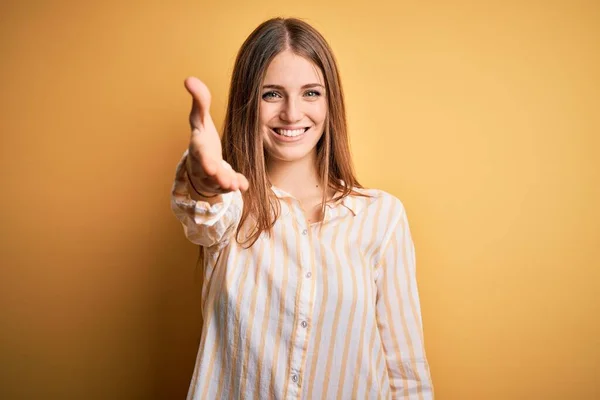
(291, 111)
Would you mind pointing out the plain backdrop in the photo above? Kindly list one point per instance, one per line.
(481, 116)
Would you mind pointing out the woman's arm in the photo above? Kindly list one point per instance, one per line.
(207, 221)
(206, 194)
(399, 314)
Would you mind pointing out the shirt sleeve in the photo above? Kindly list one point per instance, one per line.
(208, 224)
(399, 315)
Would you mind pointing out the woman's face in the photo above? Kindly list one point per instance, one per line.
(293, 107)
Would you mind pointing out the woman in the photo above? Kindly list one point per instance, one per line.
(309, 288)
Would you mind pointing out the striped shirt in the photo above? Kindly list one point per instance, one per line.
(310, 311)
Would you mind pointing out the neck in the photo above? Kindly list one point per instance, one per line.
(299, 178)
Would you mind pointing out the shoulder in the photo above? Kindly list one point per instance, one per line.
(384, 217)
(380, 202)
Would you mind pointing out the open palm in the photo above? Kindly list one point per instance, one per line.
(207, 169)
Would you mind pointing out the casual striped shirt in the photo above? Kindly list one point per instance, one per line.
(312, 311)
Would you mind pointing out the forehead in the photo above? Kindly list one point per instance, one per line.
(291, 70)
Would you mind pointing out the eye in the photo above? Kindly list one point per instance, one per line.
(270, 95)
(312, 93)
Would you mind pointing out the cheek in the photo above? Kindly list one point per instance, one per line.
(267, 112)
(319, 117)
(319, 113)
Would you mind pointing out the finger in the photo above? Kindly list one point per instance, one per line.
(226, 165)
(235, 182)
(235, 185)
(223, 177)
(227, 176)
(201, 99)
(194, 118)
(243, 182)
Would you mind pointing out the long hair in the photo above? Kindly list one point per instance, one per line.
(242, 139)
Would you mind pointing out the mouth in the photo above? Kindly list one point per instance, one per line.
(290, 133)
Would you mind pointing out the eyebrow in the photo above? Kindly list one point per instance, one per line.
(309, 85)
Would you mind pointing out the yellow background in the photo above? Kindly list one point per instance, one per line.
(481, 116)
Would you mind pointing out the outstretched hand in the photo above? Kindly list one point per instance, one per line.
(206, 168)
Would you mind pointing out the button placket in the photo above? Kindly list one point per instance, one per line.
(303, 311)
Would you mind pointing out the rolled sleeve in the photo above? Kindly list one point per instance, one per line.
(205, 223)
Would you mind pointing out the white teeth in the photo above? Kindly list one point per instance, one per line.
(290, 133)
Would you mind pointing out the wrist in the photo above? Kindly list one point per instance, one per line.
(199, 193)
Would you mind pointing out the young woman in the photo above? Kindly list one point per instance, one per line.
(309, 279)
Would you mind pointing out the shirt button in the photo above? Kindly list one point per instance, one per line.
(308, 274)
(304, 324)
(295, 378)
(304, 232)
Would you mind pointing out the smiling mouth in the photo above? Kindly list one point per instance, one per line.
(290, 132)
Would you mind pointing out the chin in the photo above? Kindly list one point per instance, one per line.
(291, 155)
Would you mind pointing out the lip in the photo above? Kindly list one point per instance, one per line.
(290, 128)
(287, 139)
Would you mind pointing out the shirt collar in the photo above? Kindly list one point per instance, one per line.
(352, 202)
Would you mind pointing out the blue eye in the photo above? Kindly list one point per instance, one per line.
(313, 93)
(270, 95)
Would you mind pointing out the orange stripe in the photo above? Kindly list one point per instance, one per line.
(319, 323)
(385, 389)
(384, 374)
(251, 317)
(237, 318)
(266, 317)
(340, 388)
(300, 282)
(205, 261)
(366, 300)
(336, 317)
(410, 280)
(372, 366)
(390, 317)
(282, 299)
(375, 331)
(409, 245)
(233, 268)
(411, 347)
(211, 362)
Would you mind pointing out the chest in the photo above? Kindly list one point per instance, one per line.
(305, 264)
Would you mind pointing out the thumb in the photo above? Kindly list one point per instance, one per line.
(201, 99)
